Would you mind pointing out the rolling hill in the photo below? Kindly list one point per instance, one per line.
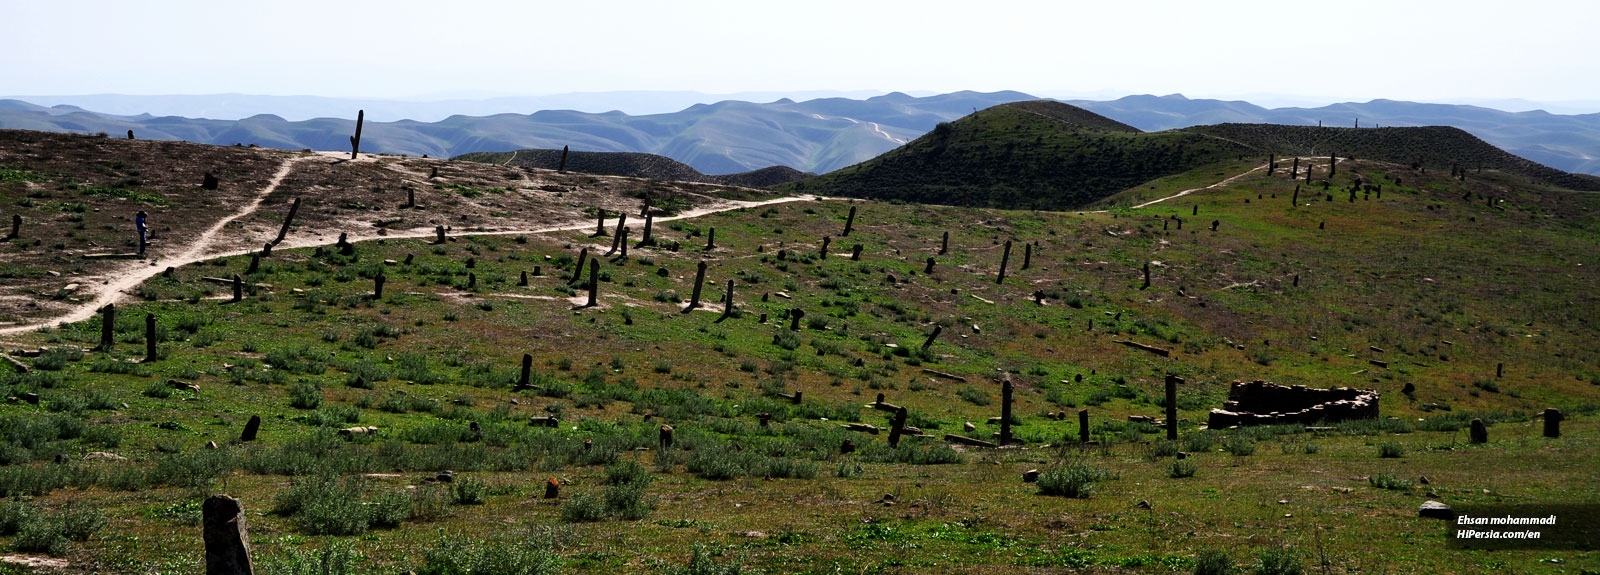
(1049, 155)
(1429, 147)
(1037, 155)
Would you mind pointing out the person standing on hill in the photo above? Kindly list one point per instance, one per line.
(138, 222)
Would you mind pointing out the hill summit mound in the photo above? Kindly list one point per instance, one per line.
(1036, 154)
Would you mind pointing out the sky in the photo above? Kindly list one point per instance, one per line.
(1297, 52)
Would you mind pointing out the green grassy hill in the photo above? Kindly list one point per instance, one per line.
(1431, 148)
(1484, 309)
(1035, 155)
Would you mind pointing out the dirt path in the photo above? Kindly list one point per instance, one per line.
(1218, 184)
(130, 277)
(134, 274)
(1193, 190)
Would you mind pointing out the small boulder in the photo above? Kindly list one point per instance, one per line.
(1435, 510)
(1030, 476)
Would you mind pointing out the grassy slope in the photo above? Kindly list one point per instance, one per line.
(1435, 148)
(1040, 155)
(1422, 266)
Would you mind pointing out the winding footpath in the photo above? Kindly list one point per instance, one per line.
(201, 249)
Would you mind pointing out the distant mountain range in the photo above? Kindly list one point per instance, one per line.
(818, 135)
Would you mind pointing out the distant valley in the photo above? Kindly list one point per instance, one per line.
(819, 135)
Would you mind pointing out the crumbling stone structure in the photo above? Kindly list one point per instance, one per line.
(1262, 403)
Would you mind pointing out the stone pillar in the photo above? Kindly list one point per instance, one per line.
(694, 296)
(1004, 258)
(250, 429)
(1479, 432)
(944, 244)
(226, 538)
(849, 222)
(108, 323)
(1083, 426)
(1172, 406)
(1005, 410)
(149, 338)
(1552, 422)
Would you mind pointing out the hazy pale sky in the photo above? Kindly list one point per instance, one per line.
(1346, 49)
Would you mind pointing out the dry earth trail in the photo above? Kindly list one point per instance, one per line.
(113, 287)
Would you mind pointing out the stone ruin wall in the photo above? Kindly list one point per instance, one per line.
(1262, 403)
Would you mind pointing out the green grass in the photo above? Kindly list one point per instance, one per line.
(426, 380)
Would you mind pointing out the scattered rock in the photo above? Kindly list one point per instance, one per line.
(1030, 476)
(103, 456)
(1435, 510)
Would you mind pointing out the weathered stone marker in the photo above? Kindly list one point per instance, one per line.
(1296, 280)
(711, 240)
(1479, 432)
(1172, 406)
(1146, 276)
(472, 280)
(898, 425)
(649, 222)
(824, 251)
(577, 270)
(1295, 171)
(1499, 370)
(1196, 211)
(1083, 426)
(847, 447)
(855, 253)
(694, 296)
(238, 288)
(944, 244)
(849, 222)
(561, 168)
(438, 234)
(149, 338)
(130, 134)
(209, 182)
(794, 318)
(472, 263)
(594, 281)
(666, 437)
(288, 220)
(624, 243)
(523, 380)
(929, 268)
(411, 195)
(255, 264)
(727, 302)
(1005, 409)
(523, 281)
(108, 323)
(1214, 224)
(16, 226)
(600, 224)
(932, 336)
(377, 286)
(1004, 258)
(1552, 422)
(552, 488)
(1027, 255)
(227, 540)
(355, 141)
(250, 429)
